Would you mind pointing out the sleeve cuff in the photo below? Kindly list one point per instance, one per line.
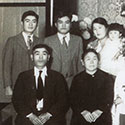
(29, 115)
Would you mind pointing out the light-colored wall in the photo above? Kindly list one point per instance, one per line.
(10, 25)
(109, 9)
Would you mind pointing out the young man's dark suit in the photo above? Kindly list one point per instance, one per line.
(55, 97)
(16, 58)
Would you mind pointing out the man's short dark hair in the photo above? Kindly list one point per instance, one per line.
(29, 13)
(49, 50)
(90, 50)
(61, 14)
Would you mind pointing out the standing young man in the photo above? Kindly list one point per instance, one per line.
(67, 48)
(40, 94)
(17, 51)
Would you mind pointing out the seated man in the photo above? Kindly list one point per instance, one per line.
(40, 94)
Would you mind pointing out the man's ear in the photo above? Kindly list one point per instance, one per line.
(48, 57)
(82, 62)
(56, 25)
(31, 56)
(99, 63)
(21, 22)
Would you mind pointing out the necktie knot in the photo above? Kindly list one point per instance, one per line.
(40, 72)
(64, 38)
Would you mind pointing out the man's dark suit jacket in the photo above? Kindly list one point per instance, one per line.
(55, 97)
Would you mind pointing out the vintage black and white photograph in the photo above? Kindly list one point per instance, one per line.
(62, 62)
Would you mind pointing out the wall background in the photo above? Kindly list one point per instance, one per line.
(109, 9)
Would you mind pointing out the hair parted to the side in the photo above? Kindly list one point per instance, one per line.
(29, 13)
(88, 51)
(61, 14)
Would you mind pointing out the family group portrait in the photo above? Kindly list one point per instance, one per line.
(62, 62)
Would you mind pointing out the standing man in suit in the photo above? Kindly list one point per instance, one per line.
(17, 51)
(40, 94)
(67, 48)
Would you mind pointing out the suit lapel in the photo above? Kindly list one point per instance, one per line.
(36, 40)
(56, 48)
(21, 41)
(72, 45)
(32, 84)
(47, 90)
(32, 80)
(47, 83)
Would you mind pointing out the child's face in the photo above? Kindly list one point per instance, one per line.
(91, 62)
(114, 34)
(40, 57)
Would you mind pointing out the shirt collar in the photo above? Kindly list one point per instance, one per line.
(25, 35)
(44, 71)
(60, 36)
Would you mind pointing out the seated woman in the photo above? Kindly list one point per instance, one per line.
(91, 93)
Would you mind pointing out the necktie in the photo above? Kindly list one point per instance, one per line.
(39, 92)
(64, 42)
(29, 41)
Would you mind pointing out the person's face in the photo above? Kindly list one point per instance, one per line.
(99, 30)
(29, 24)
(40, 57)
(114, 34)
(86, 35)
(91, 62)
(63, 25)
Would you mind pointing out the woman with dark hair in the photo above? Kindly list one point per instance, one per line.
(91, 93)
(99, 27)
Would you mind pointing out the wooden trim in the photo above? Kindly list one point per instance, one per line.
(48, 25)
(22, 4)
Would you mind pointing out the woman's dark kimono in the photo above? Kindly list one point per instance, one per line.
(91, 93)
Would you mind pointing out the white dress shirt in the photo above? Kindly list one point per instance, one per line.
(39, 105)
(43, 75)
(61, 36)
